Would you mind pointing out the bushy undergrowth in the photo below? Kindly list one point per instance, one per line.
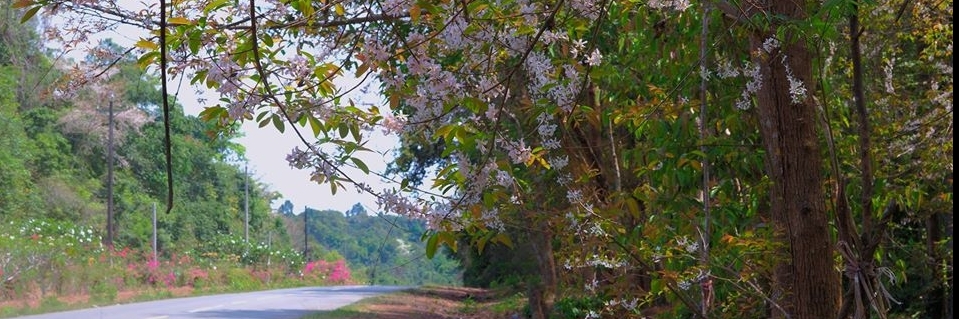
(44, 259)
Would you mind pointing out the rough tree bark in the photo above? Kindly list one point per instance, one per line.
(542, 293)
(806, 283)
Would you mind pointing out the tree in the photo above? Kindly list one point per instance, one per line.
(17, 187)
(577, 122)
(286, 209)
(356, 210)
(806, 281)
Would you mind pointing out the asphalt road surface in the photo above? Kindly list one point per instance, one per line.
(272, 304)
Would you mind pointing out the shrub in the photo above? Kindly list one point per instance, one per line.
(241, 279)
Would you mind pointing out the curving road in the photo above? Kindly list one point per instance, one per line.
(271, 304)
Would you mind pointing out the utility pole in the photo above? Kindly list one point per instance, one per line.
(246, 203)
(155, 231)
(269, 246)
(306, 243)
(109, 239)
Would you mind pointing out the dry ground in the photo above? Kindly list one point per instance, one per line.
(434, 303)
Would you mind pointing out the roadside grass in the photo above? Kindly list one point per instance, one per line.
(433, 302)
(65, 303)
(56, 265)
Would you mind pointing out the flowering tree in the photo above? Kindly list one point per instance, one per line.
(578, 123)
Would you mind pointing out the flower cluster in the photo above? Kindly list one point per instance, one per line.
(336, 272)
(797, 91)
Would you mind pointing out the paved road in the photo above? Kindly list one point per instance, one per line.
(273, 304)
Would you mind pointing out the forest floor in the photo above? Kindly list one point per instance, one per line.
(434, 302)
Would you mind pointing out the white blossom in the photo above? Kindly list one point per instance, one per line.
(594, 58)
(675, 5)
(797, 92)
(770, 45)
(887, 69)
(557, 162)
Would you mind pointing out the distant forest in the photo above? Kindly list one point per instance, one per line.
(383, 249)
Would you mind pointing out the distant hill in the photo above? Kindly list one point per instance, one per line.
(379, 248)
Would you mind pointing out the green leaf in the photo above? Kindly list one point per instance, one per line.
(213, 5)
(447, 238)
(194, 41)
(146, 45)
(264, 122)
(179, 21)
(267, 40)
(212, 113)
(147, 58)
(355, 130)
(200, 75)
(359, 164)
(344, 129)
(432, 243)
(29, 14)
(315, 125)
(442, 132)
(278, 123)
(656, 286)
(301, 119)
(481, 243)
(503, 238)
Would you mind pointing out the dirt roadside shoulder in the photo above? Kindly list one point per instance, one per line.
(434, 302)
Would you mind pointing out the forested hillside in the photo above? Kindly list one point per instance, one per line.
(72, 154)
(57, 152)
(381, 249)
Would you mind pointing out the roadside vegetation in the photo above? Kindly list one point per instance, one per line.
(436, 302)
(55, 265)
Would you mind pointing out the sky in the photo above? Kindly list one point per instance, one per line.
(266, 148)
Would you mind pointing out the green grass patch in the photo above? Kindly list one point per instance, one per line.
(512, 304)
(353, 310)
(457, 303)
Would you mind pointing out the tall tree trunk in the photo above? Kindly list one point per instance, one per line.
(939, 299)
(806, 284)
(542, 293)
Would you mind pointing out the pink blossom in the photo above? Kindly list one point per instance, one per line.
(340, 272)
(153, 264)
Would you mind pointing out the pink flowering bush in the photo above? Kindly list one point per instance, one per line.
(340, 273)
(325, 272)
